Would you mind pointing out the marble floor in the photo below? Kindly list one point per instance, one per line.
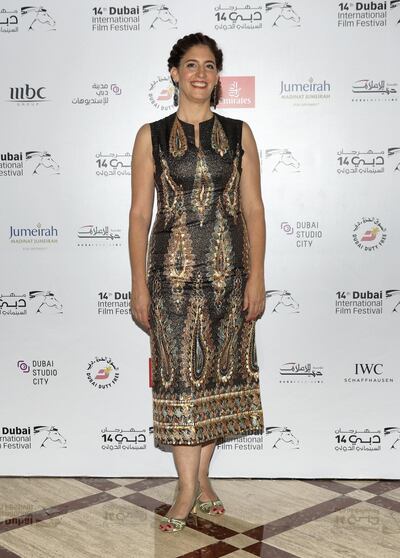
(82, 517)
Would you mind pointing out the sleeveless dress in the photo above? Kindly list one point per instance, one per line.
(205, 376)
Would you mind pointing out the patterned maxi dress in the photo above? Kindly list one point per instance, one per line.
(203, 353)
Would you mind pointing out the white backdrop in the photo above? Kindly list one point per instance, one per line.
(319, 87)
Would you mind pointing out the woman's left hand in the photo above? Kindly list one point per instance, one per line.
(254, 298)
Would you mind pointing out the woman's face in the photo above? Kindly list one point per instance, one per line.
(197, 73)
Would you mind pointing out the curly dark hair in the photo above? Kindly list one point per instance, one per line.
(185, 43)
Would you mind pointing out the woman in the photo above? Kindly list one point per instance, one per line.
(202, 288)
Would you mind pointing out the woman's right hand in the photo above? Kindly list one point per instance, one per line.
(140, 305)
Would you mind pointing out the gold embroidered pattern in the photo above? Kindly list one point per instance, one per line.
(228, 356)
(162, 339)
(203, 188)
(246, 246)
(205, 371)
(219, 141)
(231, 193)
(197, 343)
(213, 415)
(249, 351)
(172, 194)
(220, 256)
(179, 258)
(177, 139)
(150, 255)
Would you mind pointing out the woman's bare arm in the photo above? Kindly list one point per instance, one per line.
(140, 215)
(253, 212)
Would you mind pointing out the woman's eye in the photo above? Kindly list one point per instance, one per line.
(192, 64)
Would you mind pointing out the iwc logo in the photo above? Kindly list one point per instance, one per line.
(102, 372)
(369, 234)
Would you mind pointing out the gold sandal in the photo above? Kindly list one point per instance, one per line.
(176, 523)
(211, 507)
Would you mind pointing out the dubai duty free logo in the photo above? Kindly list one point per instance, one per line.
(102, 373)
(369, 234)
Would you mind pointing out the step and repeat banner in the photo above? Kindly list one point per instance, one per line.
(319, 85)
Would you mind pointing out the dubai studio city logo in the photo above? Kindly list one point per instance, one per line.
(369, 234)
(102, 373)
(40, 372)
(103, 93)
(306, 233)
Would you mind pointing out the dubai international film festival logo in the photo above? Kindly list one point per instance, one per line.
(35, 163)
(370, 16)
(31, 18)
(102, 373)
(369, 234)
(280, 15)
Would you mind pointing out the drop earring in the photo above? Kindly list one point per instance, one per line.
(176, 94)
(214, 97)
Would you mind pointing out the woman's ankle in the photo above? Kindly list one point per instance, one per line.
(187, 486)
(204, 479)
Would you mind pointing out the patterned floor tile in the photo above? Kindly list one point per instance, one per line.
(393, 494)
(112, 529)
(357, 483)
(123, 482)
(360, 495)
(311, 518)
(240, 541)
(121, 491)
(26, 495)
(361, 531)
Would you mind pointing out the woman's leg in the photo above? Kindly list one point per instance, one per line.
(187, 461)
(205, 457)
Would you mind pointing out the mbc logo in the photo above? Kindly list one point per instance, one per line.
(365, 368)
(27, 93)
